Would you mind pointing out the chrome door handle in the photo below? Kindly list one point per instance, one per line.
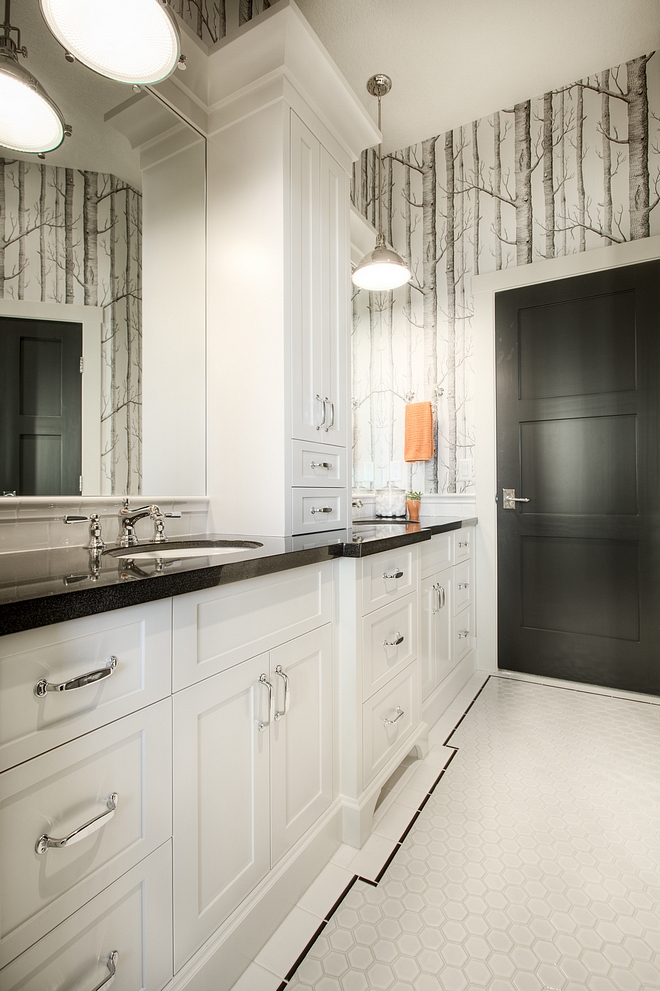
(509, 499)
(441, 598)
(43, 687)
(395, 574)
(320, 464)
(112, 967)
(45, 841)
(264, 681)
(332, 413)
(391, 722)
(285, 678)
(325, 411)
(394, 643)
(324, 509)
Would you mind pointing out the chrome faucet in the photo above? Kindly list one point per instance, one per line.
(129, 517)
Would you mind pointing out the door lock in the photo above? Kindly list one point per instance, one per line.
(509, 499)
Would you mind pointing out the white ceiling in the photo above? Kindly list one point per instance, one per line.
(453, 61)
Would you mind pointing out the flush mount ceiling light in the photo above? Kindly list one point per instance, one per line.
(29, 120)
(132, 41)
(381, 269)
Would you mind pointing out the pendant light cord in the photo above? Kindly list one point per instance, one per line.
(381, 239)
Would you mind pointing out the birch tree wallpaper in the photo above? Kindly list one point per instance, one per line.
(211, 20)
(575, 169)
(75, 238)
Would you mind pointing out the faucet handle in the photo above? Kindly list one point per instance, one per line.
(95, 536)
(159, 523)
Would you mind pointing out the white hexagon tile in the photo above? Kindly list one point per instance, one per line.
(534, 865)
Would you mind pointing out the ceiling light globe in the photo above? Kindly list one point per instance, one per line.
(381, 270)
(132, 41)
(29, 120)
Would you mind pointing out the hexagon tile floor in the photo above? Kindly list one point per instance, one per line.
(534, 865)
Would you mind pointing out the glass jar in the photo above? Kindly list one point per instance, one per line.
(391, 501)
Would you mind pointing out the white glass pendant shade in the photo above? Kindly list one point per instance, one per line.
(380, 270)
(132, 41)
(29, 120)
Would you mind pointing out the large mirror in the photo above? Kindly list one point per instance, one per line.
(102, 292)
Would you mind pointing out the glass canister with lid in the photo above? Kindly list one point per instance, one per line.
(391, 501)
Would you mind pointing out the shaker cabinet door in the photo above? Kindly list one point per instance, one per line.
(221, 799)
(335, 285)
(301, 736)
(438, 654)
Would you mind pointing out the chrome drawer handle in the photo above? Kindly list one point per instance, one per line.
(319, 399)
(264, 681)
(463, 585)
(112, 967)
(45, 841)
(441, 598)
(463, 543)
(285, 678)
(391, 722)
(462, 634)
(43, 687)
(394, 574)
(332, 413)
(324, 509)
(320, 464)
(394, 643)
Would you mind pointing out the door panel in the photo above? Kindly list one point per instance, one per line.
(578, 367)
(41, 406)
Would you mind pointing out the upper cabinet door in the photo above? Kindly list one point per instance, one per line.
(319, 291)
(335, 277)
(307, 413)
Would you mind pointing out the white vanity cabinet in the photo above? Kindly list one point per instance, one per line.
(447, 617)
(253, 741)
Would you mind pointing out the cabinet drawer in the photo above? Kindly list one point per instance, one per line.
(139, 637)
(318, 464)
(132, 917)
(463, 633)
(463, 587)
(463, 544)
(388, 719)
(388, 576)
(437, 553)
(59, 792)
(318, 509)
(215, 629)
(382, 656)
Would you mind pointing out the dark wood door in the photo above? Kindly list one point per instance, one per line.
(40, 439)
(578, 387)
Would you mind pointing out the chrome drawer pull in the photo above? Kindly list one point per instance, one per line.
(394, 574)
(285, 678)
(463, 585)
(391, 722)
(325, 411)
(462, 634)
(463, 543)
(320, 464)
(332, 410)
(394, 643)
(112, 967)
(43, 687)
(324, 509)
(441, 598)
(82, 832)
(264, 681)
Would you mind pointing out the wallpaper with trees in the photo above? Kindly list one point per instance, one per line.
(574, 169)
(214, 19)
(76, 238)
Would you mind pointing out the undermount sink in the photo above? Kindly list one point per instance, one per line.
(177, 549)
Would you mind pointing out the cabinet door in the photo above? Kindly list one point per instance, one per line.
(301, 736)
(306, 304)
(221, 804)
(437, 657)
(335, 275)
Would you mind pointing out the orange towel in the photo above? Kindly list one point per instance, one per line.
(418, 444)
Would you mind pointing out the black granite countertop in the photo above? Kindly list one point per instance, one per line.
(41, 587)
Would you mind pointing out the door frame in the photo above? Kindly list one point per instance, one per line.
(484, 288)
(91, 318)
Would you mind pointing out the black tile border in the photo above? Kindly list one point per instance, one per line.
(397, 846)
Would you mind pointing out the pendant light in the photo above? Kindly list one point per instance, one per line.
(381, 269)
(29, 120)
(132, 41)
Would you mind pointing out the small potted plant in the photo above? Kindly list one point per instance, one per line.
(412, 501)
